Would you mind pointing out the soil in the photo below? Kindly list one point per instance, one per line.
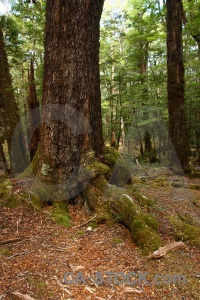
(36, 253)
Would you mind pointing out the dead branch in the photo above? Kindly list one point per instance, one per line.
(162, 251)
(23, 181)
(19, 254)
(196, 276)
(21, 296)
(11, 241)
(137, 162)
(85, 222)
(61, 285)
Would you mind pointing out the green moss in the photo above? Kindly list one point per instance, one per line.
(117, 241)
(3, 178)
(196, 174)
(60, 214)
(144, 237)
(161, 181)
(99, 169)
(110, 156)
(1, 193)
(93, 224)
(6, 186)
(194, 186)
(186, 230)
(104, 217)
(81, 232)
(60, 207)
(37, 202)
(151, 221)
(5, 251)
(62, 219)
(39, 287)
(120, 170)
(141, 199)
(13, 201)
(100, 183)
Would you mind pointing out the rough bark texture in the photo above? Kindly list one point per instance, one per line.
(34, 115)
(10, 127)
(175, 83)
(71, 109)
(3, 159)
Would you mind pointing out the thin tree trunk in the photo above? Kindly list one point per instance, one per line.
(34, 114)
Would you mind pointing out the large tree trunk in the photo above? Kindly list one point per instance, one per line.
(71, 111)
(175, 84)
(10, 126)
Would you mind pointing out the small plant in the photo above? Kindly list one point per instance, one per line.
(117, 241)
(80, 232)
(5, 251)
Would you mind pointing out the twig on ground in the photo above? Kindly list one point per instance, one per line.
(22, 296)
(85, 222)
(29, 196)
(162, 251)
(196, 276)
(19, 254)
(18, 226)
(61, 285)
(49, 247)
(11, 241)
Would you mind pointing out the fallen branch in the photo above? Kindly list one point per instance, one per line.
(11, 241)
(21, 296)
(162, 251)
(19, 254)
(61, 285)
(137, 162)
(196, 276)
(24, 181)
(85, 222)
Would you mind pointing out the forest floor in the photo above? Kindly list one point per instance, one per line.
(36, 252)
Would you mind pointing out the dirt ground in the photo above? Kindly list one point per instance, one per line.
(40, 259)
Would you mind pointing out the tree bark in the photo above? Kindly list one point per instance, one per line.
(10, 126)
(3, 159)
(175, 84)
(34, 114)
(71, 111)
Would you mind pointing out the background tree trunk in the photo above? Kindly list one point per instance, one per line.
(34, 114)
(10, 126)
(175, 84)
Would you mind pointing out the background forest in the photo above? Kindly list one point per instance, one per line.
(89, 191)
(133, 68)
